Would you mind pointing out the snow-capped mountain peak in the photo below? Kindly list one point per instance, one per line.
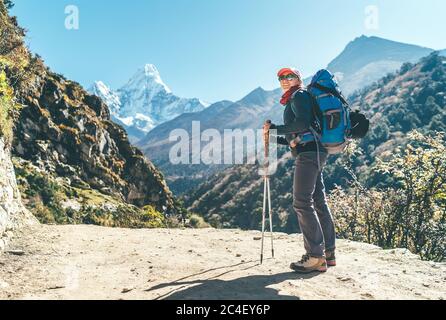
(148, 79)
(152, 72)
(144, 102)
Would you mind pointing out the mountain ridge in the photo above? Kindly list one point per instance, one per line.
(367, 59)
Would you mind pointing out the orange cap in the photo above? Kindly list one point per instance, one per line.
(286, 71)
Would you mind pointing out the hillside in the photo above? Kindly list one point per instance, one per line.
(412, 98)
(247, 113)
(73, 164)
(58, 263)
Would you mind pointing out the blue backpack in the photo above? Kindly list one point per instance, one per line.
(332, 114)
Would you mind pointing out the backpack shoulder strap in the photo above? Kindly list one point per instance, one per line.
(330, 91)
(298, 91)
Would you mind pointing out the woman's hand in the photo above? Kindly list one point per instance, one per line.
(266, 127)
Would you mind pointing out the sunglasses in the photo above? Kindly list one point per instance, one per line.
(288, 77)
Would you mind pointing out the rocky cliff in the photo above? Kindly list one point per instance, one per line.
(12, 212)
(68, 133)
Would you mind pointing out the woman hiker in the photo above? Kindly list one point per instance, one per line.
(309, 201)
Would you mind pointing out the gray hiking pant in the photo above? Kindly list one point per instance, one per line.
(313, 213)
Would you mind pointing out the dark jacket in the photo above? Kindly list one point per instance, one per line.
(298, 116)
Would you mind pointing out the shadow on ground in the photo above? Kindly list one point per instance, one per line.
(253, 287)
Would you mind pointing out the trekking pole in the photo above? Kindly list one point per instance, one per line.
(266, 198)
(263, 218)
(270, 219)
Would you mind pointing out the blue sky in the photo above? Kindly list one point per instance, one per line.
(214, 49)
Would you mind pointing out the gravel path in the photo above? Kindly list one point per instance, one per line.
(89, 262)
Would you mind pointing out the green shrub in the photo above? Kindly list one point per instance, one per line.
(43, 213)
(152, 218)
(125, 216)
(412, 213)
(197, 222)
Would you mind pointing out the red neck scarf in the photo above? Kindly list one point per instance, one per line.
(287, 95)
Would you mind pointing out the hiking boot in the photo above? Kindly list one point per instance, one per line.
(309, 264)
(331, 258)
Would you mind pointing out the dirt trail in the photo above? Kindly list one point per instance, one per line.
(89, 262)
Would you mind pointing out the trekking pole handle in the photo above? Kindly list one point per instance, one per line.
(266, 140)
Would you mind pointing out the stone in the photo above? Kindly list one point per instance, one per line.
(344, 279)
(16, 252)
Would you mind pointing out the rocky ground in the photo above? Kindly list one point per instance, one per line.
(89, 262)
